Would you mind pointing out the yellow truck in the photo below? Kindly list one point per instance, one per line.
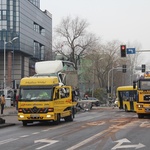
(143, 95)
(44, 97)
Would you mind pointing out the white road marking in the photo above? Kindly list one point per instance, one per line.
(45, 130)
(120, 146)
(35, 133)
(23, 136)
(145, 124)
(87, 140)
(50, 142)
(7, 141)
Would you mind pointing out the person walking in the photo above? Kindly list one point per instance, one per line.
(3, 101)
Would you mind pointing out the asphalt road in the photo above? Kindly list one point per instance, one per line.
(98, 129)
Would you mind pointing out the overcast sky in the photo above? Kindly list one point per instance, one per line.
(123, 20)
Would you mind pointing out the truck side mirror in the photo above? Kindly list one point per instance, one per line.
(134, 84)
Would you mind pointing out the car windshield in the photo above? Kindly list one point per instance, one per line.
(35, 93)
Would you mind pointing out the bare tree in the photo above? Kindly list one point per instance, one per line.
(73, 40)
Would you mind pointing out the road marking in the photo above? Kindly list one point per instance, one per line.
(145, 124)
(45, 130)
(87, 140)
(23, 136)
(35, 133)
(50, 142)
(8, 140)
(120, 146)
(96, 123)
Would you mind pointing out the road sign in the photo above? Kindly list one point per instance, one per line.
(130, 50)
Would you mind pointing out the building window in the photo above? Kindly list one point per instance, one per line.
(36, 50)
(42, 31)
(42, 52)
(3, 14)
(38, 29)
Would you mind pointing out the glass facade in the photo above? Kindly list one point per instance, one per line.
(35, 2)
(32, 27)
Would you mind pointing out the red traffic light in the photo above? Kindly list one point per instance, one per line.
(123, 50)
(123, 47)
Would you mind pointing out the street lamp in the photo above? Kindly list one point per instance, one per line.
(5, 61)
(15, 38)
(118, 68)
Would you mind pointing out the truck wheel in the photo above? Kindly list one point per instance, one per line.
(58, 119)
(140, 116)
(69, 118)
(24, 123)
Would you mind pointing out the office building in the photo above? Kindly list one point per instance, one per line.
(25, 37)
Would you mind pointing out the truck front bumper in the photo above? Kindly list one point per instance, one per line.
(38, 117)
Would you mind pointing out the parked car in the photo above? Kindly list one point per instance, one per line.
(93, 100)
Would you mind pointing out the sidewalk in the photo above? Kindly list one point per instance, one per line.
(10, 117)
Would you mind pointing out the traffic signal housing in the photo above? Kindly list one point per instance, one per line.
(123, 50)
(143, 67)
(124, 68)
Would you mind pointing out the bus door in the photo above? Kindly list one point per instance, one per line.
(131, 105)
(120, 99)
(131, 99)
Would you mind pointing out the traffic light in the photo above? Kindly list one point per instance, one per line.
(14, 84)
(124, 68)
(123, 50)
(143, 68)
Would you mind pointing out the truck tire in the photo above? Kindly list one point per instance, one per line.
(69, 118)
(24, 123)
(58, 119)
(140, 116)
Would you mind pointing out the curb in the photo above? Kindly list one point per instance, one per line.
(6, 125)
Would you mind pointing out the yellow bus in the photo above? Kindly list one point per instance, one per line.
(127, 98)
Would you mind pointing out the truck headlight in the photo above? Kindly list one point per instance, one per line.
(140, 106)
(48, 116)
(21, 116)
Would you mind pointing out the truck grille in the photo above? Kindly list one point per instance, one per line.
(34, 110)
(147, 97)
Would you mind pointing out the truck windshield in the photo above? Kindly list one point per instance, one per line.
(145, 85)
(33, 94)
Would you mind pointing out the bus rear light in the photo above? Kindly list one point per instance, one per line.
(50, 109)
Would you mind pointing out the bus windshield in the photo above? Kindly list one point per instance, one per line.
(35, 93)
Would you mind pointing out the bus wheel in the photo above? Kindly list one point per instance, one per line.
(24, 123)
(126, 108)
(140, 116)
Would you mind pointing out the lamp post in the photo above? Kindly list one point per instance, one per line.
(5, 61)
(118, 68)
(15, 38)
(4, 67)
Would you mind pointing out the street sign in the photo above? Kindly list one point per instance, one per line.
(130, 50)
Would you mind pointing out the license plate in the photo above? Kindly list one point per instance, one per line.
(34, 115)
(147, 109)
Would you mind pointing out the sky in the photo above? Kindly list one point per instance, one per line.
(125, 20)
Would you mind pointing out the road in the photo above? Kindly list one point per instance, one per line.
(98, 129)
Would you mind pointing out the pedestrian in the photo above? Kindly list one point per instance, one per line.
(3, 101)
